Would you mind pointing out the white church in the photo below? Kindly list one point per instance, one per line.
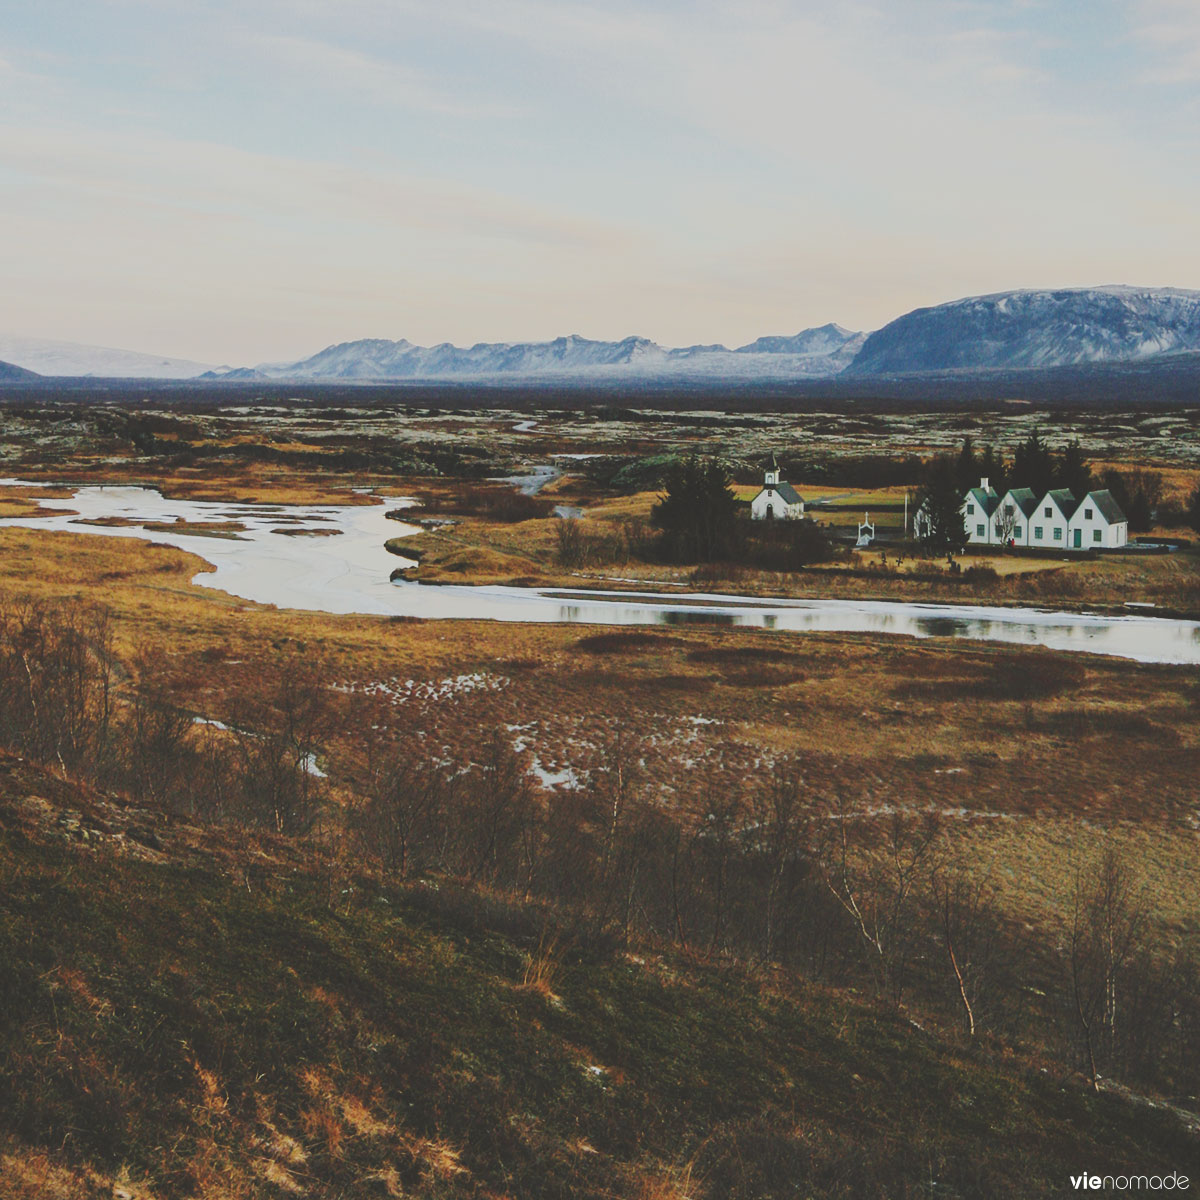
(778, 500)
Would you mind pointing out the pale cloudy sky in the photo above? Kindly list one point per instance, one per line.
(240, 180)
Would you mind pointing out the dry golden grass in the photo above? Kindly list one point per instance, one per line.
(880, 723)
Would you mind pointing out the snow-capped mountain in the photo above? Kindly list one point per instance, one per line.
(1070, 327)
(1007, 331)
(813, 353)
(48, 357)
(825, 339)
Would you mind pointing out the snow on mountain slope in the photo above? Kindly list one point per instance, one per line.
(49, 357)
(813, 353)
(1068, 327)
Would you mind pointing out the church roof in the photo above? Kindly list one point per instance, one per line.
(789, 493)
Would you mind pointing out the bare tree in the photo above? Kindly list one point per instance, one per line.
(278, 739)
(1005, 523)
(57, 672)
(497, 806)
(961, 897)
(1107, 921)
(778, 830)
(404, 799)
(157, 758)
(877, 889)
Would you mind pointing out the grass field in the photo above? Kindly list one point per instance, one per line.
(284, 1018)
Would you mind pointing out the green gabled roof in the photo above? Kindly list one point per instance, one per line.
(1024, 498)
(789, 493)
(1107, 506)
(1064, 500)
(988, 501)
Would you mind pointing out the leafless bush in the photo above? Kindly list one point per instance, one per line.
(57, 676)
(497, 503)
(578, 544)
(277, 739)
(406, 802)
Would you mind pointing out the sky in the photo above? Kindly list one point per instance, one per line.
(238, 181)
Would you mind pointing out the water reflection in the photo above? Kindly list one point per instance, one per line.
(692, 616)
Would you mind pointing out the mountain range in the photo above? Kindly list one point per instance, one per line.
(1017, 330)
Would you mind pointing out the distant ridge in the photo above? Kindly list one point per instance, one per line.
(10, 373)
(814, 353)
(1006, 331)
(1024, 329)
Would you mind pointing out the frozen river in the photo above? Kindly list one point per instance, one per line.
(331, 558)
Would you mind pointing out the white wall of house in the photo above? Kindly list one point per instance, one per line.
(976, 522)
(1009, 513)
(1048, 526)
(1089, 530)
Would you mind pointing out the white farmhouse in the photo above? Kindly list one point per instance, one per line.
(1097, 524)
(978, 506)
(1010, 522)
(777, 500)
(1050, 520)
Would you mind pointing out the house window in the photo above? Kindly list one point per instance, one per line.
(1037, 532)
(1058, 533)
(1016, 531)
(980, 530)
(1095, 535)
(1046, 512)
(970, 510)
(1087, 514)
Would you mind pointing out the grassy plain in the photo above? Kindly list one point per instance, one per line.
(283, 1029)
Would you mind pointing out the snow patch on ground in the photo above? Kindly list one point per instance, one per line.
(402, 691)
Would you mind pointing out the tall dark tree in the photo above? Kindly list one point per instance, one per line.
(966, 466)
(941, 525)
(1034, 465)
(696, 511)
(1072, 470)
(1138, 493)
(993, 468)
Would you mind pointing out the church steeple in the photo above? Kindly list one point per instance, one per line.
(771, 475)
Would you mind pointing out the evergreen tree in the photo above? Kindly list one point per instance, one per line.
(993, 468)
(696, 511)
(942, 526)
(966, 467)
(1072, 470)
(1034, 465)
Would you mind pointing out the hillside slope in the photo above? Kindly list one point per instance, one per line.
(55, 358)
(10, 373)
(1024, 329)
(189, 1013)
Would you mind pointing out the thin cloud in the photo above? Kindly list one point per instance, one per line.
(1170, 30)
(380, 81)
(221, 181)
